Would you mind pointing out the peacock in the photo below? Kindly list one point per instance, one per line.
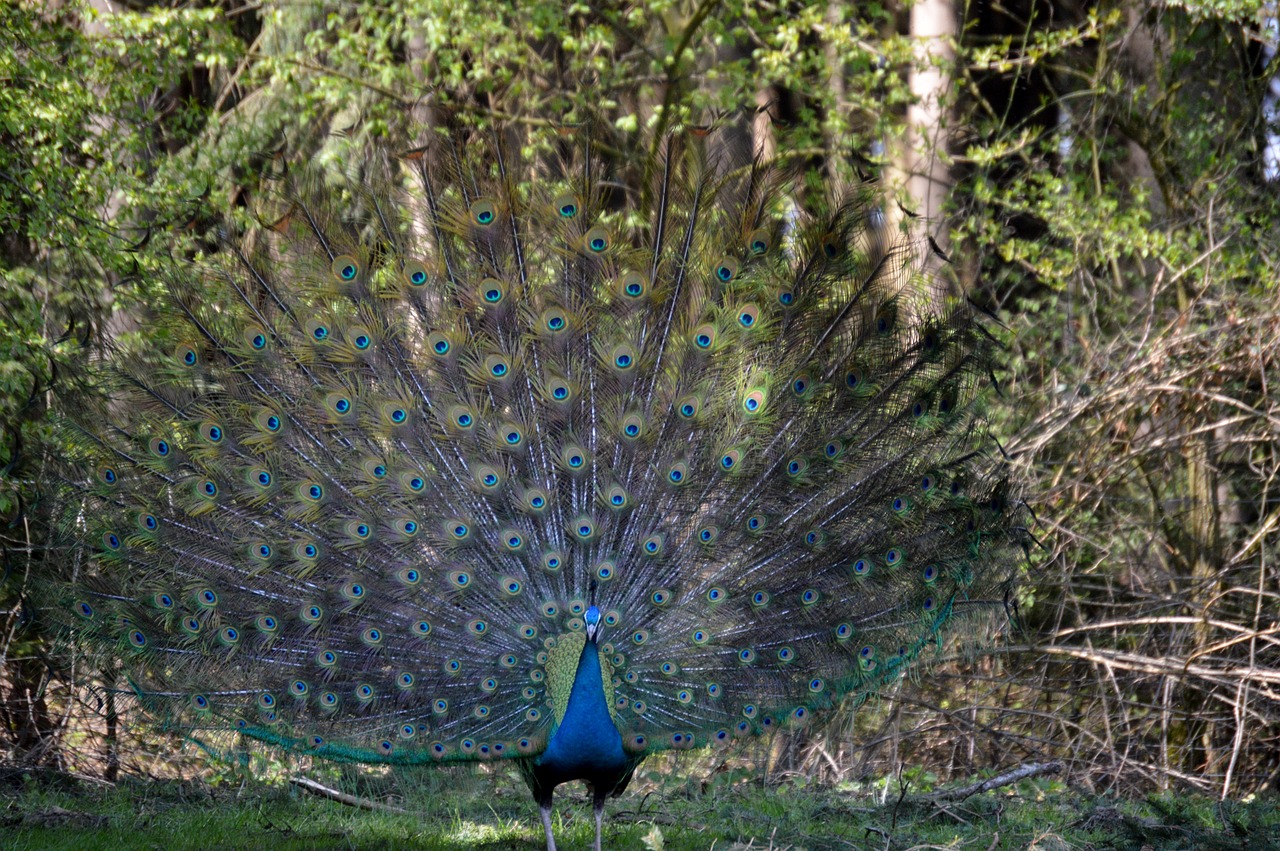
(472, 455)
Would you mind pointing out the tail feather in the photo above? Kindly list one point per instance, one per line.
(396, 442)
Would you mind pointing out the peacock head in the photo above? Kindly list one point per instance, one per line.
(592, 619)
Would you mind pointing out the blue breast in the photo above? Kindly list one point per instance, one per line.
(586, 745)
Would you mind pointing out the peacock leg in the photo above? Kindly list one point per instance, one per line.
(544, 809)
(598, 806)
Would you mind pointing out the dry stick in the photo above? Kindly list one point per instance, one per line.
(343, 798)
(1022, 772)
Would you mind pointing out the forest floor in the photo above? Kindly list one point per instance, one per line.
(468, 809)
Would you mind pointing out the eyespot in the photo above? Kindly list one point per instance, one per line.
(414, 273)
(493, 291)
(566, 205)
(212, 433)
(573, 457)
(497, 367)
(596, 240)
(512, 435)
(306, 551)
(632, 426)
(483, 211)
(583, 528)
(633, 285)
(726, 270)
(535, 500)
(554, 320)
(623, 357)
(345, 268)
(439, 343)
(704, 336)
(759, 241)
(255, 337)
(394, 413)
(748, 316)
(186, 355)
(317, 330)
(559, 390)
(678, 474)
(616, 497)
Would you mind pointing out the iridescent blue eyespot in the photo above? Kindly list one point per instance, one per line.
(362, 341)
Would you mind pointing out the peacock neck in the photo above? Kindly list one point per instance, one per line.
(586, 744)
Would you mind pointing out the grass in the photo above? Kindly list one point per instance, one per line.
(466, 809)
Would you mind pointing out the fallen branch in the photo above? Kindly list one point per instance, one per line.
(1022, 772)
(343, 798)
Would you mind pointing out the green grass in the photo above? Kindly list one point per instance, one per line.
(465, 809)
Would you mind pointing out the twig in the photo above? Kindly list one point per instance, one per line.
(343, 798)
(1022, 772)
